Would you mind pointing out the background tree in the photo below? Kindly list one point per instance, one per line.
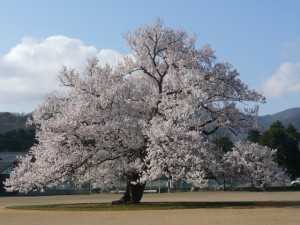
(253, 163)
(149, 117)
(20, 140)
(288, 156)
(254, 136)
(293, 133)
(286, 141)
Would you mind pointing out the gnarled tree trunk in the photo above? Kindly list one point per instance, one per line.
(134, 191)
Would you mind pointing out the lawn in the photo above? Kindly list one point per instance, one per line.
(157, 205)
(93, 209)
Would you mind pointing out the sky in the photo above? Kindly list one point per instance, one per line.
(261, 39)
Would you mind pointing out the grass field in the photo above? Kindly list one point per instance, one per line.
(203, 216)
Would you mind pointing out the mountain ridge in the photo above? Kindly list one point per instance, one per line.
(286, 117)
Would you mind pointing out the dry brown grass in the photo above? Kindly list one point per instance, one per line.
(259, 216)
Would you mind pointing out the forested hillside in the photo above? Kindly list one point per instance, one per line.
(286, 117)
(15, 136)
(12, 121)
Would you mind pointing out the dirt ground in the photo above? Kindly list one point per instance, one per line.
(228, 216)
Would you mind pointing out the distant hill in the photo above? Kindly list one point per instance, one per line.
(286, 117)
(12, 121)
(14, 133)
(15, 136)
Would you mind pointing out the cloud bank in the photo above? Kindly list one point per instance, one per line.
(29, 70)
(285, 80)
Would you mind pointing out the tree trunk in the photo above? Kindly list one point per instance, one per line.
(133, 193)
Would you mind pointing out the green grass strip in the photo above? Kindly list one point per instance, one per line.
(157, 205)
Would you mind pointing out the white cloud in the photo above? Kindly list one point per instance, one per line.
(29, 70)
(285, 80)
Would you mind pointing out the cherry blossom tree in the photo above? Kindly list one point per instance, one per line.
(254, 164)
(150, 116)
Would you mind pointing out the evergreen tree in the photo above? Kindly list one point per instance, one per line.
(288, 155)
(254, 136)
(20, 140)
(292, 132)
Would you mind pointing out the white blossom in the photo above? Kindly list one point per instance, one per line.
(253, 163)
(152, 114)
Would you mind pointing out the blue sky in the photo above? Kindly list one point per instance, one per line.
(260, 38)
